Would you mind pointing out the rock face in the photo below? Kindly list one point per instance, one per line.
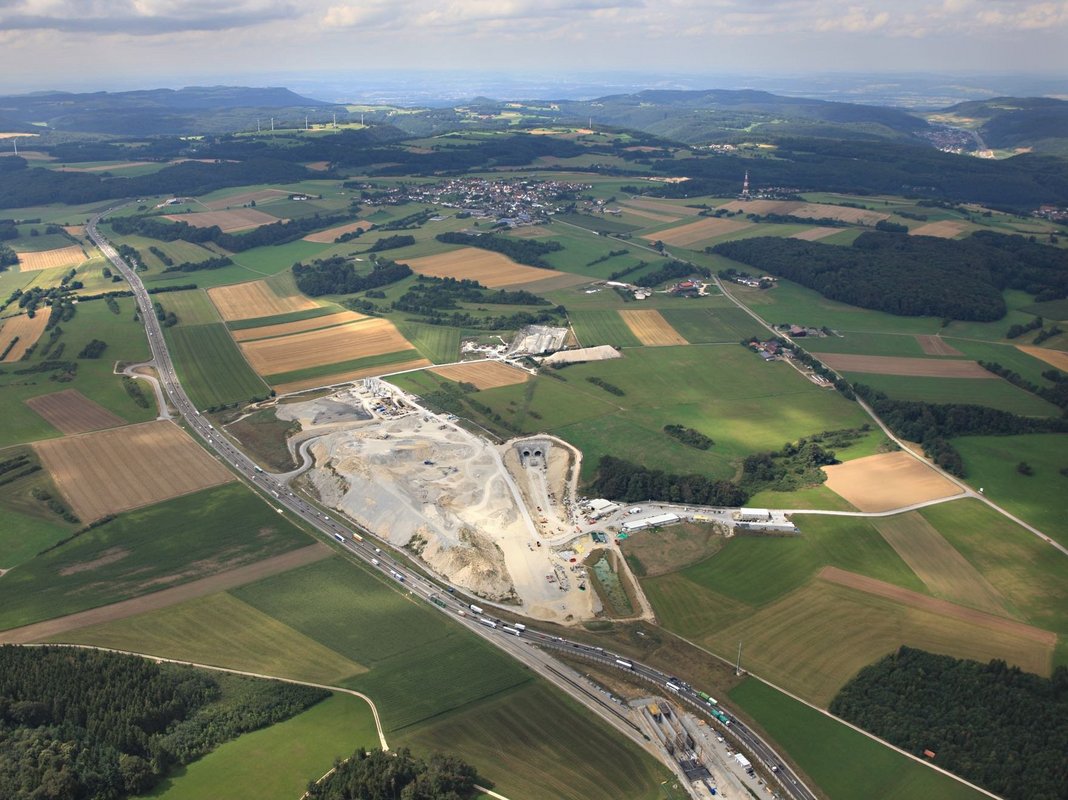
(439, 493)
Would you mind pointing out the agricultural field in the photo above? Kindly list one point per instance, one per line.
(238, 219)
(918, 367)
(346, 371)
(697, 232)
(330, 234)
(222, 631)
(277, 762)
(945, 229)
(94, 378)
(19, 333)
(255, 299)
(991, 462)
(712, 325)
(483, 375)
(488, 268)
(115, 470)
(998, 393)
(1055, 358)
(70, 411)
(231, 198)
(853, 216)
(297, 326)
(211, 367)
(300, 351)
(650, 328)
(143, 551)
(437, 343)
(69, 256)
(29, 524)
(815, 234)
(944, 571)
(281, 319)
(886, 481)
(511, 739)
(846, 765)
(192, 307)
(602, 326)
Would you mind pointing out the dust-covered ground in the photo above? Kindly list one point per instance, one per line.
(423, 483)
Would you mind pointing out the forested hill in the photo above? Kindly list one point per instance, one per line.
(914, 275)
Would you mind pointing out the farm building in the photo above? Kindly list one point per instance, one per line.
(650, 522)
(753, 515)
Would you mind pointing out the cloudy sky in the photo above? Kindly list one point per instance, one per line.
(122, 43)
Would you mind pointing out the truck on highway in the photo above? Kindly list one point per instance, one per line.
(510, 630)
(624, 663)
(356, 537)
(721, 716)
(487, 622)
(476, 609)
(708, 698)
(519, 626)
(437, 600)
(674, 687)
(339, 537)
(374, 561)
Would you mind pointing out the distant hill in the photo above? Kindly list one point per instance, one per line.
(194, 109)
(1007, 123)
(697, 116)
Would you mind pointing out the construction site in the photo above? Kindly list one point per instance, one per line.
(477, 514)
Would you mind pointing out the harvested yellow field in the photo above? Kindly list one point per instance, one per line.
(255, 299)
(484, 375)
(1056, 358)
(693, 232)
(369, 337)
(488, 268)
(651, 328)
(814, 234)
(903, 365)
(70, 411)
(70, 256)
(26, 329)
(244, 198)
(887, 481)
(799, 208)
(946, 229)
(328, 236)
(106, 167)
(287, 328)
(943, 570)
(122, 468)
(530, 231)
(75, 230)
(352, 375)
(235, 219)
(936, 346)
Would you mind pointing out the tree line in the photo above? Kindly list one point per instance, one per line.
(996, 725)
(86, 724)
(671, 271)
(155, 227)
(522, 251)
(625, 481)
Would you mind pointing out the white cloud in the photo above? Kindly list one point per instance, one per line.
(140, 17)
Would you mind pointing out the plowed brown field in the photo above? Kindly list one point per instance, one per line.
(352, 375)
(887, 481)
(286, 328)
(691, 232)
(894, 365)
(937, 346)
(484, 375)
(71, 411)
(28, 330)
(236, 219)
(255, 299)
(651, 328)
(1056, 358)
(369, 337)
(646, 214)
(70, 256)
(488, 268)
(122, 468)
(328, 236)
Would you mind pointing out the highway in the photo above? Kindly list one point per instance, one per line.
(520, 643)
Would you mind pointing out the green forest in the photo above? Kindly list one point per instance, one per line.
(88, 724)
(998, 726)
(914, 276)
